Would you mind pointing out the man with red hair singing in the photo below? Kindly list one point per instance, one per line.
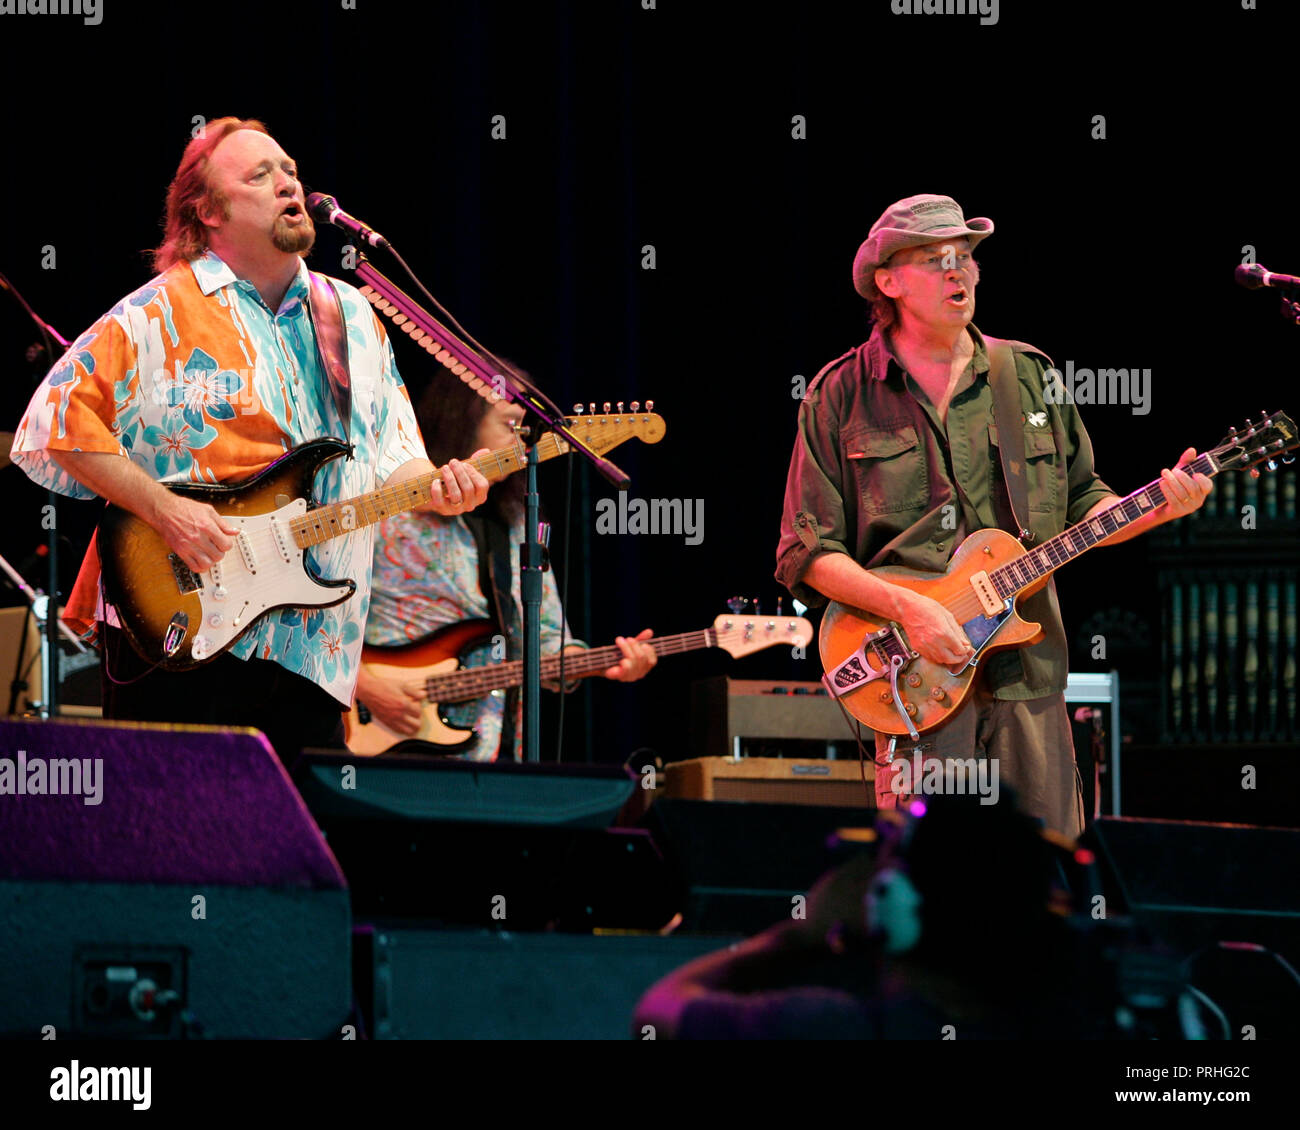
(207, 374)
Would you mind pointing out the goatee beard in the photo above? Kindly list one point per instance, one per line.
(293, 240)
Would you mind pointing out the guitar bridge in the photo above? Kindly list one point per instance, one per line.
(885, 645)
(187, 581)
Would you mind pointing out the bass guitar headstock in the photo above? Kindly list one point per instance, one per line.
(741, 635)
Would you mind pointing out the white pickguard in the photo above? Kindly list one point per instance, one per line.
(264, 570)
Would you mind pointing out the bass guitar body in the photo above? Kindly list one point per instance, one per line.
(872, 667)
(413, 665)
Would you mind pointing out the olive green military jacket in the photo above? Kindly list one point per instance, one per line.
(875, 474)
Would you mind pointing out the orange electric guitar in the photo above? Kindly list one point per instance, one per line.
(432, 667)
(870, 665)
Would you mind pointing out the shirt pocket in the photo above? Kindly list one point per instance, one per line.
(889, 466)
(1040, 466)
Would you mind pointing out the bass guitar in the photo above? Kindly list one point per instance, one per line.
(177, 618)
(872, 668)
(432, 669)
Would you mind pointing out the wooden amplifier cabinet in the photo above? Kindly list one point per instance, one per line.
(771, 780)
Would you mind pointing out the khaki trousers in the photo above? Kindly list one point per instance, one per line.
(1026, 744)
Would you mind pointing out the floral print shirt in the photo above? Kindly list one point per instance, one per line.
(426, 577)
(195, 379)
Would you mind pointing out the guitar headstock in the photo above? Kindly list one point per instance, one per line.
(740, 635)
(603, 431)
(1266, 441)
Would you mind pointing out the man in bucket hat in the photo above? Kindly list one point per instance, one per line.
(897, 459)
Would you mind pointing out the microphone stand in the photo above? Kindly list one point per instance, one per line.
(51, 622)
(479, 367)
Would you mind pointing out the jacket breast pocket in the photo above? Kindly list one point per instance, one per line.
(1040, 468)
(889, 467)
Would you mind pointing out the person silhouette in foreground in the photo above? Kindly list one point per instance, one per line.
(953, 928)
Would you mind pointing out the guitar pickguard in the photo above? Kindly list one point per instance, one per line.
(980, 630)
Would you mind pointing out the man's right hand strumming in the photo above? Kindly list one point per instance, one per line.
(389, 702)
(932, 630)
(194, 531)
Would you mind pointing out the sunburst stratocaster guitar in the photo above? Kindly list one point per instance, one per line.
(432, 668)
(870, 665)
(178, 618)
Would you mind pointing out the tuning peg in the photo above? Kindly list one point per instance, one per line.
(592, 407)
(577, 409)
(619, 406)
(1288, 459)
(1254, 472)
(649, 405)
(737, 605)
(778, 606)
(1271, 464)
(636, 406)
(606, 409)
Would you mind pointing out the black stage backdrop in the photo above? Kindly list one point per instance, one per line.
(751, 146)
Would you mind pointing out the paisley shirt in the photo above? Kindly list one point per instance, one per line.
(195, 379)
(426, 577)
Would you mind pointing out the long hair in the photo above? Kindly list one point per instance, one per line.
(449, 413)
(185, 236)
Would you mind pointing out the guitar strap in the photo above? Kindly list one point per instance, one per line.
(492, 540)
(1011, 432)
(332, 344)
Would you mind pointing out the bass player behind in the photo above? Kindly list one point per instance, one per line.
(208, 374)
(431, 571)
(897, 460)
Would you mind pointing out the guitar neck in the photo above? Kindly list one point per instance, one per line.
(1055, 552)
(475, 682)
(335, 519)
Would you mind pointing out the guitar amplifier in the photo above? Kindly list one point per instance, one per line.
(730, 714)
(772, 780)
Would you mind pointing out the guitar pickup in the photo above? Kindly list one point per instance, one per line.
(986, 593)
(187, 580)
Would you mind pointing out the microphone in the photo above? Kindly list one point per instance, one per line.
(325, 210)
(1254, 276)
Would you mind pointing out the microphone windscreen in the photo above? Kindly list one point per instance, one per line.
(1250, 275)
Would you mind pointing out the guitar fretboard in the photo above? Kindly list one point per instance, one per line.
(1055, 552)
(475, 682)
(336, 519)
